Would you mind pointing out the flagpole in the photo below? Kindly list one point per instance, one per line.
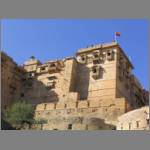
(115, 38)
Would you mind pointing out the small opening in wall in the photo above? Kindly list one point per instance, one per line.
(45, 106)
(108, 54)
(29, 74)
(137, 124)
(96, 61)
(42, 68)
(94, 70)
(52, 65)
(69, 126)
(113, 128)
(82, 58)
(86, 127)
(22, 94)
(129, 126)
(147, 121)
(96, 55)
(55, 129)
(51, 78)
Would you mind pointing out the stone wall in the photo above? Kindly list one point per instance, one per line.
(107, 110)
(127, 85)
(97, 82)
(11, 78)
(134, 120)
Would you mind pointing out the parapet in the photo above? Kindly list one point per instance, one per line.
(94, 47)
(50, 66)
(119, 103)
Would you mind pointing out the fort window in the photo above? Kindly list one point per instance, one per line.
(51, 84)
(129, 126)
(55, 129)
(70, 126)
(45, 106)
(65, 105)
(97, 72)
(43, 68)
(52, 65)
(22, 94)
(137, 124)
(109, 55)
(96, 61)
(113, 128)
(147, 121)
(51, 78)
(94, 70)
(83, 58)
(96, 54)
(86, 127)
(30, 74)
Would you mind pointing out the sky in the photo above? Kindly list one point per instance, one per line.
(50, 39)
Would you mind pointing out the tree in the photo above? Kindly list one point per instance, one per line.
(19, 114)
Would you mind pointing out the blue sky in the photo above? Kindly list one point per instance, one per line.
(49, 39)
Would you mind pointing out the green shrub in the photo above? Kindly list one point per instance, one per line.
(20, 113)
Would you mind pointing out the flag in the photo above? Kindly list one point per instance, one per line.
(117, 33)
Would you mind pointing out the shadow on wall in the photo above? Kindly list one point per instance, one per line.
(36, 92)
(6, 126)
(82, 81)
(98, 124)
(78, 123)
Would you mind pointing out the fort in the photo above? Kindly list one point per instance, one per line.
(86, 92)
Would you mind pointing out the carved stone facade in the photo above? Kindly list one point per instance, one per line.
(96, 84)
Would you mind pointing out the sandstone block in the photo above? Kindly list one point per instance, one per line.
(94, 103)
(39, 107)
(50, 106)
(83, 104)
(60, 105)
(71, 104)
(73, 96)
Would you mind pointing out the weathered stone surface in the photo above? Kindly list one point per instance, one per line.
(134, 120)
(97, 83)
